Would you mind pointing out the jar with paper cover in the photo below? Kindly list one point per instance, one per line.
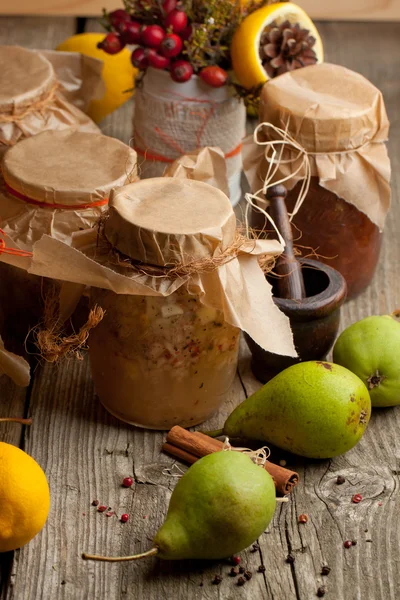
(56, 183)
(323, 130)
(37, 95)
(166, 350)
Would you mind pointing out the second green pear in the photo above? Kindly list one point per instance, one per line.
(315, 409)
(219, 507)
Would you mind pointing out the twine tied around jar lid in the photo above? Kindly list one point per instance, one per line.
(277, 147)
(27, 83)
(36, 106)
(325, 122)
(135, 241)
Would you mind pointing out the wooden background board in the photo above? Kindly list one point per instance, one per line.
(359, 10)
(86, 452)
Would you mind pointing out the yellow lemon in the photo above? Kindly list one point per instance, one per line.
(24, 498)
(245, 48)
(118, 72)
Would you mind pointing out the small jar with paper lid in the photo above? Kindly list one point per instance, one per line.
(323, 130)
(31, 98)
(166, 350)
(56, 183)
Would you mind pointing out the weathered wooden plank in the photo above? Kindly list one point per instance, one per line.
(359, 10)
(86, 453)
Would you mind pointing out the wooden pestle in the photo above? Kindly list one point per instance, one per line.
(290, 283)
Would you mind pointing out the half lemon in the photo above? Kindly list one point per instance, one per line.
(274, 39)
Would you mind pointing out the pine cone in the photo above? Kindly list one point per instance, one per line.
(286, 47)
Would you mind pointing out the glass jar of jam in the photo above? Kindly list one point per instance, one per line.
(158, 362)
(175, 293)
(338, 123)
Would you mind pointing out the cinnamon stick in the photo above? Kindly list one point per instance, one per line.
(190, 446)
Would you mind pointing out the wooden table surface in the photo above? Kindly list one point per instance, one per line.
(85, 452)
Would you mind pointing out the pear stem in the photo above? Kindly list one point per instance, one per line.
(214, 434)
(151, 552)
(16, 420)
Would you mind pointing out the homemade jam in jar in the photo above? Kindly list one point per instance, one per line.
(163, 356)
(55, 183)
(162, 361)
(338, 122)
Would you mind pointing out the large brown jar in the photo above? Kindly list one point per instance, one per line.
(178, 291)
(338, 123)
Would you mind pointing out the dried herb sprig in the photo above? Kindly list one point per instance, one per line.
(250, 97)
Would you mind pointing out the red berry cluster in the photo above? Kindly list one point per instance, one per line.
(158, 46)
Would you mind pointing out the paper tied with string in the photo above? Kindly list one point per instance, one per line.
(328, 122)
(165, 233)
(14, 366)
(57, 183)
(44, 90)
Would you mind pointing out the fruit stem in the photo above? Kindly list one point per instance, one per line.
(151, 552)
(396, 313)
(214, 434)
(16, 420)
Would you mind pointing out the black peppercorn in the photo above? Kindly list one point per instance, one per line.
(248, 575)
(217, 579)
(321, 591)
(241, 581)
(261, 569)
(290, 559)
(325, 570)
(340, 479)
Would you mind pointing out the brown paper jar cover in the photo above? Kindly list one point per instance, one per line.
(31, 98)
(339, 118)
(170, 231)
(55, 183)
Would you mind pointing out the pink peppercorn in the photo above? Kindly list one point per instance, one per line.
(236, 560)
(356, 499)
(127, 482)
(101, 508)
(124, 518)
(348, 544)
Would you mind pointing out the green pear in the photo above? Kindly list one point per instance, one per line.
(219, 507)
(315, 409)
(370, 348)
